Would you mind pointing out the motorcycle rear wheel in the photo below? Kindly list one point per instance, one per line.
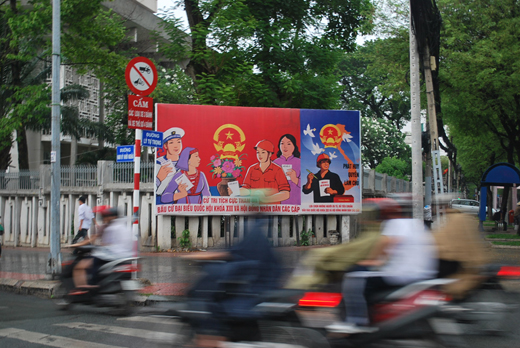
(60, 298)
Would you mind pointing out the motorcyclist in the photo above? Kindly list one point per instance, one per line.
(251, 268)
(116, 242)
(404, 254)
(461, 249)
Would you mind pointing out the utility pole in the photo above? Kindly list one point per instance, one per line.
(432, 120)
(54, 261)
(415, 96)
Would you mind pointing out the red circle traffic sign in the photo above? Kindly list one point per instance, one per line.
(141, 76)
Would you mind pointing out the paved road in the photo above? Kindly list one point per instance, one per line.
(30, 322)
(27, 321)
(156, 267)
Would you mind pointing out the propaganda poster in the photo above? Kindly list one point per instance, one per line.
(219, 160)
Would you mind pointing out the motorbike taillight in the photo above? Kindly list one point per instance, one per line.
(509, 272)
(320, 299)
(393, 309)
(127, 269)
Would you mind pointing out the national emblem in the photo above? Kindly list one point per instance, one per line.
(330, 136)
(227, 144)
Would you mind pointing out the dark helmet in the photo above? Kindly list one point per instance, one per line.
(106, 211)
(109, 212)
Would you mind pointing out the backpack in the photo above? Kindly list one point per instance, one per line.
(1, 230)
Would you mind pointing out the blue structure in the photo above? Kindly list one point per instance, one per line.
(499, 174)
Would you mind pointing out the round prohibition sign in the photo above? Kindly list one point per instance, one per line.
(141, 76)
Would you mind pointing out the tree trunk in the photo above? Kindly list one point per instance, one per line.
(23, 153)
(5, 158)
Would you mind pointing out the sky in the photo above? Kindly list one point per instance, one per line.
(179, 13)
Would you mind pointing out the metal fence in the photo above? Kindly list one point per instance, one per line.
(22, 180)
(147, 172)
(85, 176)
(123, 172)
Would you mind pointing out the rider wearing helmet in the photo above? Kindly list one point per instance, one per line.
(116, 242)
(403, 254)
(461, 249)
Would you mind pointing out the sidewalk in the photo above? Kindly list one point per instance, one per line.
(164, 275)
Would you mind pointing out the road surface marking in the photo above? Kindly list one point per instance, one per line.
(49, 340)
(153, 319)
(124, 331)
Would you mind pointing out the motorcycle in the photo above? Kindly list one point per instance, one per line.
(418, 315)
(115, 289)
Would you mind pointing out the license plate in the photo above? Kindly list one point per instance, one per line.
(130, 285)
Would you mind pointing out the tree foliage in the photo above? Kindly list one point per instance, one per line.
(395, 167)
(269, 53)
(481, 80)
(90, 40)
(381, 139)
(374, 80)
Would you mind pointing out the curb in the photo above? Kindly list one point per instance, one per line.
(502, 246)
(505, 246)
(38, 288)
(46, 288)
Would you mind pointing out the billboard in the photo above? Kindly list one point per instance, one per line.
(219, 160)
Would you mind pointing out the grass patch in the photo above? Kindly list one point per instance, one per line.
(503, 236)
(507, 243)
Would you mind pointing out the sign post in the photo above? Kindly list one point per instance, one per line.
(141, 78)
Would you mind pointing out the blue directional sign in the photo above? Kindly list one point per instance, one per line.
(151, 138)
(125, 153)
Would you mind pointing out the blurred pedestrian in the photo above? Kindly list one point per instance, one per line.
(85, 216)
(517, 218)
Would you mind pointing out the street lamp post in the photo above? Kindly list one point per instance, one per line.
(54, 261)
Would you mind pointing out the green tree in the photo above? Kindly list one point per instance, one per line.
(270, 53)
(481, 83)
(476, 153)
(174, 87)
(374, 80)
(395, 167)
(91, 39)
(381, 139)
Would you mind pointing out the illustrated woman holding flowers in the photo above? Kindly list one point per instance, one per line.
(178, 191)
(289, 159)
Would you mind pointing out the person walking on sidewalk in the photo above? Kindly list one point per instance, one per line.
(517, 218)
(85, 220)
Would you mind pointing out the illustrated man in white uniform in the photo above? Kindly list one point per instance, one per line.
(166, 166)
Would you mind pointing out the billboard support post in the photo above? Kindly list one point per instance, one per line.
(137, 181)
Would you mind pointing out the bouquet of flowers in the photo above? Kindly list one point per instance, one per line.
(226, 167)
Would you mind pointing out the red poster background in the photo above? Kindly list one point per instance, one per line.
(201, 121)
